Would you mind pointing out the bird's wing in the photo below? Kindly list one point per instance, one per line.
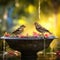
(15, 31)
(44, 29)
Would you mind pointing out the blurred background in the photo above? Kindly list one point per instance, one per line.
(14, 13)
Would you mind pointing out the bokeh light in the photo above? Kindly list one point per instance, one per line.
(30, 9)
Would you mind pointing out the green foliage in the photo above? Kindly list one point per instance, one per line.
(45, 7)
(5, 2)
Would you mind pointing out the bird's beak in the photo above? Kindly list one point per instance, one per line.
(24, 26)
(35, 23)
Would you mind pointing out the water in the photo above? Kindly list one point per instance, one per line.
(36, 57)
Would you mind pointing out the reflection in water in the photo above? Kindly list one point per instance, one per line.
(48, 56)
(41, 56)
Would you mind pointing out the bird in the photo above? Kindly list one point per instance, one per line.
(41, 29)
(19, 30)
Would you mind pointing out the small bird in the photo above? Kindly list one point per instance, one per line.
(19, 30)
(40, 28)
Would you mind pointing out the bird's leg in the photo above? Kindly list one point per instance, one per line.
(14, 35)
(17, 35)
